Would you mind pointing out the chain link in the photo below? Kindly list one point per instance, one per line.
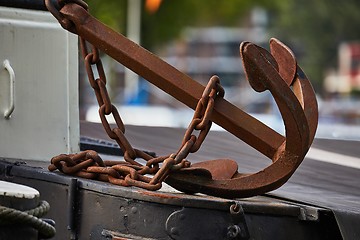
(88, 164)
(201, 120)
(64, 22)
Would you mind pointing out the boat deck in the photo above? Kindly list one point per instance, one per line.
(320, 201)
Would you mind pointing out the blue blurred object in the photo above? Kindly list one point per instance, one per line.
(141, 97)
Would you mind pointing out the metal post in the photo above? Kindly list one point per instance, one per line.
(133, 32)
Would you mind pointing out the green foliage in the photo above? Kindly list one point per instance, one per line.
(312, 28)
(110, 12)
(318, 27)
(173, 16)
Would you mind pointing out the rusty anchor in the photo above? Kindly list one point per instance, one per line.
(276, 71)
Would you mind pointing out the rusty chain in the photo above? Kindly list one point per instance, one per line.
(275, 71)
(64, 22)
(88, 164)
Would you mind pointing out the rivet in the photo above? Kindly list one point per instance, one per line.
(233, 231)
(174, 231)
(134, 210)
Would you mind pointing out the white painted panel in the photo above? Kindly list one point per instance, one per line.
(43, 56)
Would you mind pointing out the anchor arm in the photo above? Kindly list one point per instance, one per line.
(262, 75)
(299, 111)
(307, 98)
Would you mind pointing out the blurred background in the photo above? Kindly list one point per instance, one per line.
(201, 38)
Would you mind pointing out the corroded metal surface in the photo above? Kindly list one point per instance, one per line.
(299, 112)
(171, 80)
(275, 71)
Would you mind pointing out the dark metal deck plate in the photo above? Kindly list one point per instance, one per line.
(317, 183)
(97, 209)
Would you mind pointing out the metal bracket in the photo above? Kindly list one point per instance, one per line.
(195, 223)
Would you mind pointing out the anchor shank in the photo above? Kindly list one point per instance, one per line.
(171, 80)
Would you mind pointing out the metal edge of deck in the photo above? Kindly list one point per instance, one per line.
(256, 209)
(259, 204)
